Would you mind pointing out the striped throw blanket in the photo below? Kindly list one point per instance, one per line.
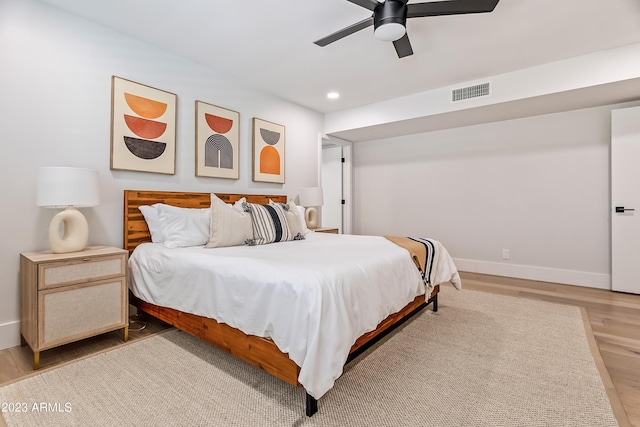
(423, 253)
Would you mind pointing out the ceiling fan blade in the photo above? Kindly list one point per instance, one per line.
(403, 46)
(367, 4)
(345, 32)
(451, 7)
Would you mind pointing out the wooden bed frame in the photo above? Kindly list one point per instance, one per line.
(256, 350)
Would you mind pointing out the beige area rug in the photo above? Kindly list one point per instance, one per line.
(482, 360)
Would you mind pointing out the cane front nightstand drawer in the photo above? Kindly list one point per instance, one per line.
(79, 270)
(92, 312)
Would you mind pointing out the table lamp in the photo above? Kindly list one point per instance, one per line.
(69, 188)
(311, 197)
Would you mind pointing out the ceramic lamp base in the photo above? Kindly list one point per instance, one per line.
(311, 217)
(75, 235)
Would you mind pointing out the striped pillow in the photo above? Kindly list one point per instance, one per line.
(293, 218)
(269, 223)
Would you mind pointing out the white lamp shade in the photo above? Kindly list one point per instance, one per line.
(59, 187)
(311, 196)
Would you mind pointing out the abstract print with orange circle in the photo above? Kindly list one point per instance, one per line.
(269, 155)
(144, 127)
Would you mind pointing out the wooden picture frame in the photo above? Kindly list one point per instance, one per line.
(268, 151)
(143, 128)
(217, 141)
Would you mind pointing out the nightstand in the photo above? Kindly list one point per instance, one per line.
(325, 230)
(72, 296)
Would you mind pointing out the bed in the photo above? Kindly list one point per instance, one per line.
(304, 356)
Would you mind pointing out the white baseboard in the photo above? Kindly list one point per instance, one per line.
(555, 275)
(9, 335)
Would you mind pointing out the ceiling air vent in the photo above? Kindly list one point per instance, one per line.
(470, 92)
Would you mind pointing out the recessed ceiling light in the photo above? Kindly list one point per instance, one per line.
(333, 95)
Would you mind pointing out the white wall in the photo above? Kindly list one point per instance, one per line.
(55, 98)
(538, 186)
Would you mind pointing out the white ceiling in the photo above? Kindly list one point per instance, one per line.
(269, 44)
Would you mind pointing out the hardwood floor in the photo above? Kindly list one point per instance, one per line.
(17, 362)
(614, 317)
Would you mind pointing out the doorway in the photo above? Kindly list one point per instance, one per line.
(336, 184)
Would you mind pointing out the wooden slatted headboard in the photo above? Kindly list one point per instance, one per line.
(135, 227)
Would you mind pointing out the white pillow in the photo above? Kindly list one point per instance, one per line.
(184, 227)
(301, 211)
(150, 214)
(230, 225)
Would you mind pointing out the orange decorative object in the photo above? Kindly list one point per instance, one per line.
(218, 124)
(144, 107)
(144, 128)
(270, 161)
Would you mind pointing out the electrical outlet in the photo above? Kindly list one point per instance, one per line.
(505, 254)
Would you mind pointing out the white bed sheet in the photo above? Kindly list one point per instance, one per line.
(312, 297)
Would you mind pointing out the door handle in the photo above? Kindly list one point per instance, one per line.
(622, 209)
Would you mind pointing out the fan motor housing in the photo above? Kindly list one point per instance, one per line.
(391, 11)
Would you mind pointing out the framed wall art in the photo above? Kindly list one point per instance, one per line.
(143, 127)
(217, 141)
(268, 151)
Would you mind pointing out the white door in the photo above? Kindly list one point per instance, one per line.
(625, 200)
(332, 186)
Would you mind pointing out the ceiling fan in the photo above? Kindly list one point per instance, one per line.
(390, 16)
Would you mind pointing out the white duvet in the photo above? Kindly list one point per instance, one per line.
(312, 297)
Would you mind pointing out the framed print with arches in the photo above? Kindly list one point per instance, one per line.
(217, 141)
(268, 151)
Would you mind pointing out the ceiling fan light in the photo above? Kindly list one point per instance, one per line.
(389, 32)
